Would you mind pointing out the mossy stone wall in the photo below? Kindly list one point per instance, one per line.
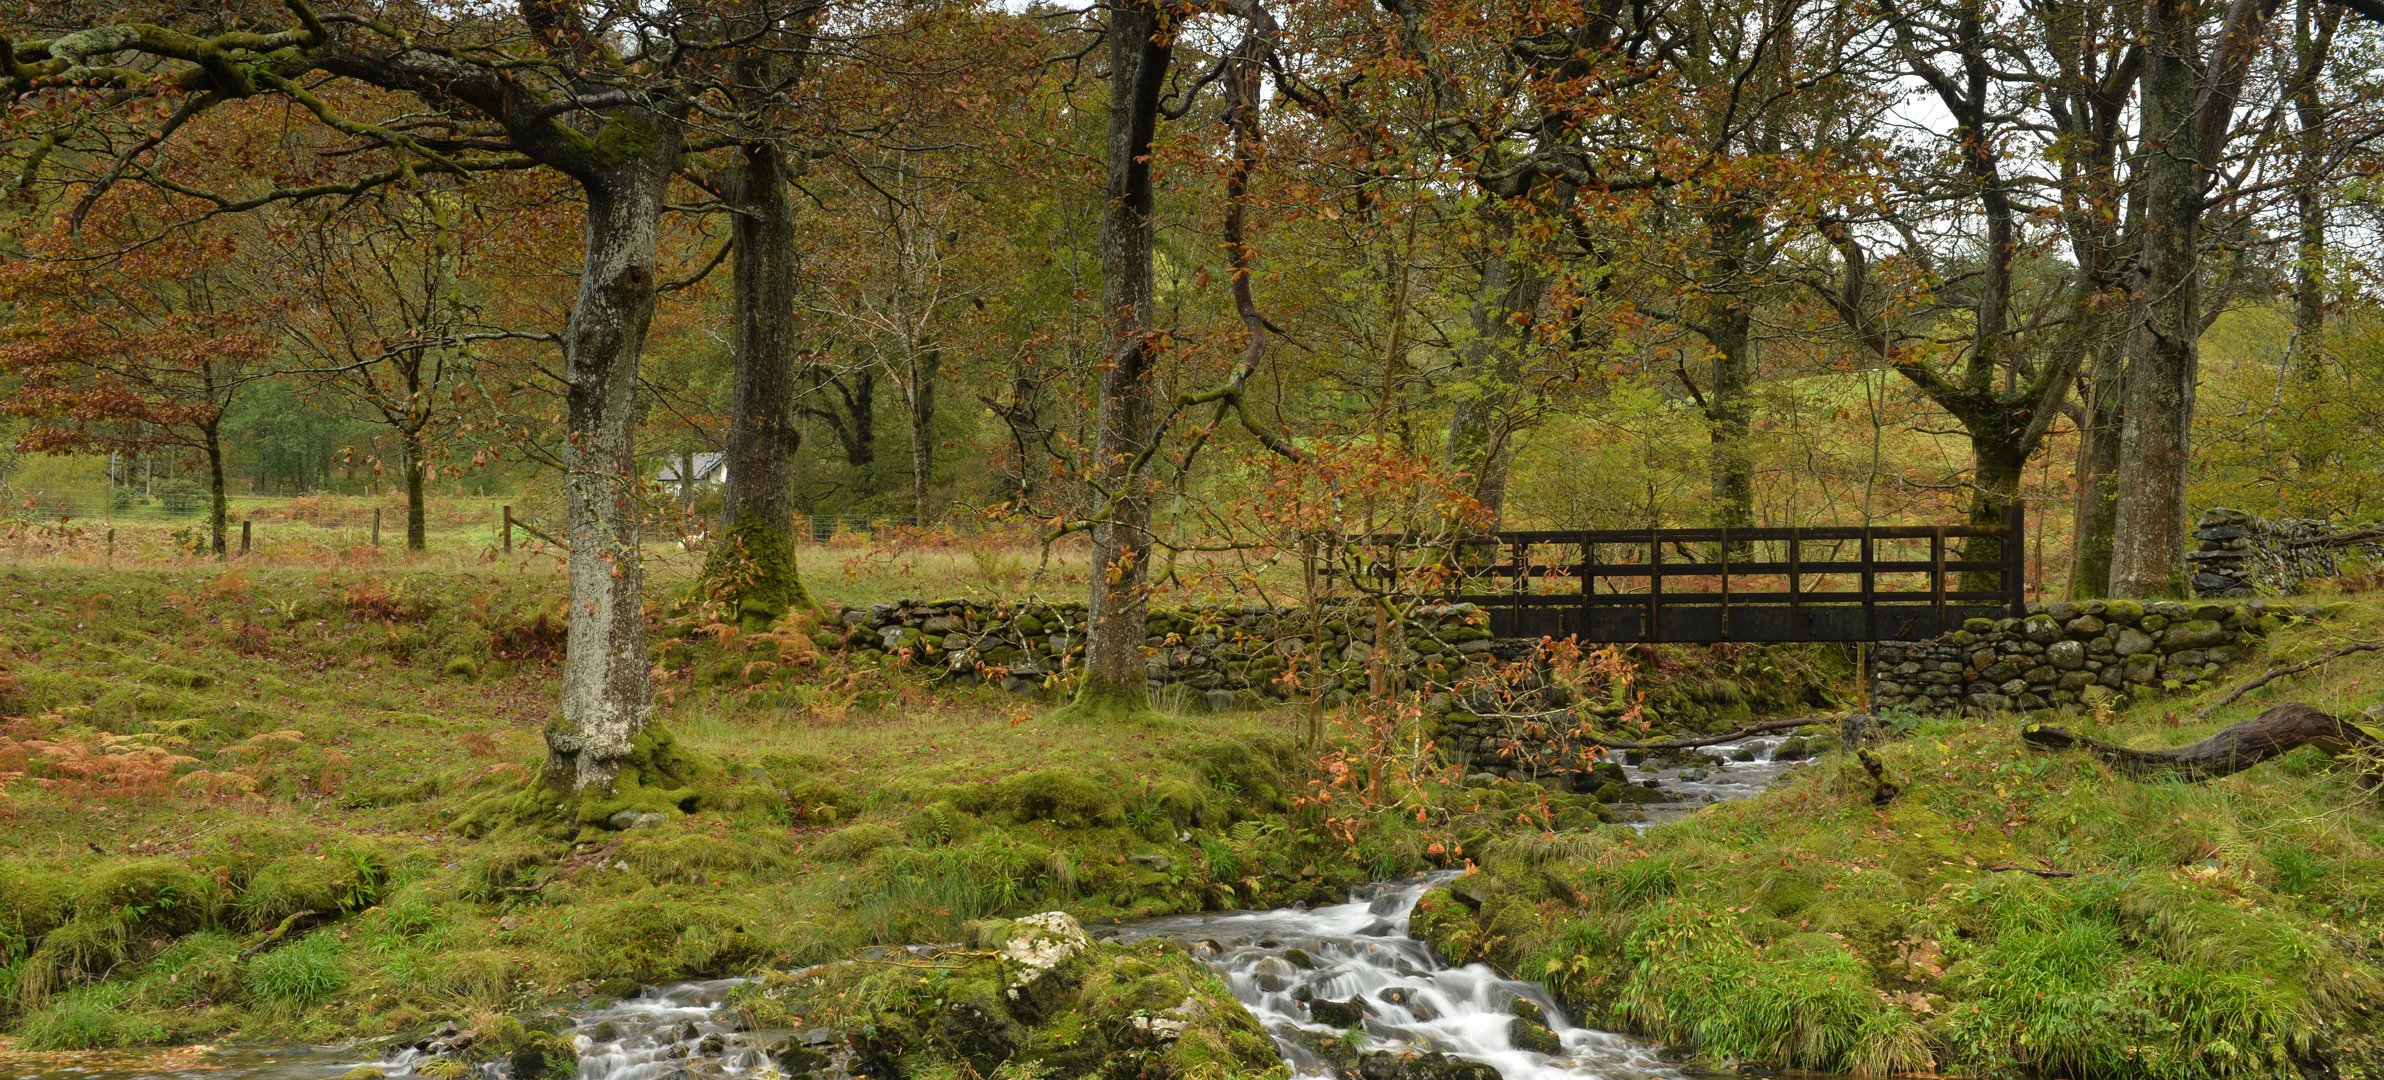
(2239, 554)
(1216, 656)
(2064, 655)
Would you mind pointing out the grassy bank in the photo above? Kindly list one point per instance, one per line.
(231, 797)
(2009, 913)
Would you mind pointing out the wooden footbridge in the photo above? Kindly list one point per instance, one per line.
(1828, 583)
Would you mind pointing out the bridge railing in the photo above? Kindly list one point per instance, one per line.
(1821, 583)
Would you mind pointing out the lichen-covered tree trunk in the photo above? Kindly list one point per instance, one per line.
(2148, 542)
(751, 568)
(1113, 678)
(607, 696)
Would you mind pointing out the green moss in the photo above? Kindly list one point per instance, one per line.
(659, 776)
(337, 882)
(528, 1052)
(855, 842)
(1102, 701)
(33, 901)
(159, 897)
(1065, 796)
(750, 576)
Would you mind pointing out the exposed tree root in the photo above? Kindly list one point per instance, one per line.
(2275, 673)
(2279, 731)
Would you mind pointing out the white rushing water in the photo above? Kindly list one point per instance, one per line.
(1283, 963)
(1718, 778)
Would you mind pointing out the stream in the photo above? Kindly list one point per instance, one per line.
(1353, 959)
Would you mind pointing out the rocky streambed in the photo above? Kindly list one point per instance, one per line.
(1341, 990)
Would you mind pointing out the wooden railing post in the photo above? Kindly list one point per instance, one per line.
(1796, 600)
(1655, 585)
(1725, 563)
(2015, 557)
(1870, 588)
(1937, 576)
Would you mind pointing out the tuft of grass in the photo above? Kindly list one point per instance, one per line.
(90, 1018)
(297, 976)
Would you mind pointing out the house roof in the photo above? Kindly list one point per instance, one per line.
(707, 464)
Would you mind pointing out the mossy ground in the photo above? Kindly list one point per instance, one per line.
(2231, 928)
(239, 812)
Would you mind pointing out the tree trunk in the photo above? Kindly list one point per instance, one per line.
(1506, 297)
(1729, 329)
(607, 695)
(417, 536)
(2274, 733)
(1994, 487)
(2314, 28)
(922, 418)
(751, 568)
(219, 510)
(2098, 477)
(2148, 548)
(1113, 672)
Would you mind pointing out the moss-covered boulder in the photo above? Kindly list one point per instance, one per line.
(1035, 996)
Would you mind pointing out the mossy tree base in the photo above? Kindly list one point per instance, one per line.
(659, 778)
(1103, 701)
(750, 576)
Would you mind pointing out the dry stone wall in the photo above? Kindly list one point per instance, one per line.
(2064, 655)
(1217, 656)
(2239, 554)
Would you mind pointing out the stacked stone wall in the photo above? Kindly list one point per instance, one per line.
(2064, 655)
(1220, 656)
(2238, 554)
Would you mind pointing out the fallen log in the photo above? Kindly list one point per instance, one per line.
(2275, 673)
(2274, 733)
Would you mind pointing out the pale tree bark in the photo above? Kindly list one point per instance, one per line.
(607, 696)
(1113, 678)
(919, 387)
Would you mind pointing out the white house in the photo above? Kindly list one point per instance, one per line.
(708, 469)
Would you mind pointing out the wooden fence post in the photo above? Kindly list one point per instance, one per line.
(244, 536)
(2015, 557)
(376, 526)
(507, 529)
